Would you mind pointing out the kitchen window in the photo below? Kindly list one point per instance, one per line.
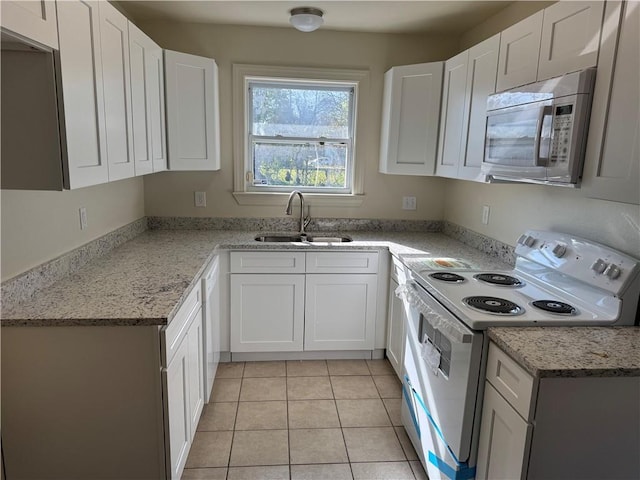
(295, 129)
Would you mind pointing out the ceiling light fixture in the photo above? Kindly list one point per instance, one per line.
(306, 19)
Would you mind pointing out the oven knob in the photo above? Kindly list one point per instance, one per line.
(526, 240)
(599, 266)
(612, 271)
(559, 250)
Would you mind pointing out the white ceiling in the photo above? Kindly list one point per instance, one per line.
(453, 17)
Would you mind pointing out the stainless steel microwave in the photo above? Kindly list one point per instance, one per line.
(537, 133)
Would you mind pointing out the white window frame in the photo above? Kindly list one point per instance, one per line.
(244, 193)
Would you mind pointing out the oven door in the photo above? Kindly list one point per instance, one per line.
(440, 385)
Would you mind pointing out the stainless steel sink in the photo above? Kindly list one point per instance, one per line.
(321, 238)
(279, 238)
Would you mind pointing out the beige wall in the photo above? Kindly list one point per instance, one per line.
(515, 208)
(39, 226)
(172, 193)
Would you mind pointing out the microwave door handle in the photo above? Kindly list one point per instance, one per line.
(545, 111)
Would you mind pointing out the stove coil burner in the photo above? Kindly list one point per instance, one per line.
(554, 306)
(447, 277)
(493, 305)
(499, 279)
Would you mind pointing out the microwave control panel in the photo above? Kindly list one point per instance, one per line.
(562, 126)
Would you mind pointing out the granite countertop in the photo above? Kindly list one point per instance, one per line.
(145, 280)
(572, 351)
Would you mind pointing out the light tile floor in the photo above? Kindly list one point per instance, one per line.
(303, 420)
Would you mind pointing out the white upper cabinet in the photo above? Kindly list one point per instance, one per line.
(570, 38)
(469, 78)
(410, 119)
(34, 20)
(560, 39)
(83, 100)
(519, 48)
(452, 115)
(192, 112)
(482, 68)
(116, 77)
(147, 103)
(612, 163)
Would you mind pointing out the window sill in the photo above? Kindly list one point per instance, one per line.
(316, 199)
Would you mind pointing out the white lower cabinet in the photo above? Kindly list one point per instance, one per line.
(276, 311)
(557, 427)
(395, 329)
(267, 312)
(177, 407)
(183, 381)
(396, 318)
(503, 439)
(340, 312)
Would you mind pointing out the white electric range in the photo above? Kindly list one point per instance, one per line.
(558, 280)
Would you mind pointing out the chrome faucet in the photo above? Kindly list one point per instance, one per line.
(303, 221)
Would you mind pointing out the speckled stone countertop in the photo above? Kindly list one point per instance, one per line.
(145, 280)
(572, 351)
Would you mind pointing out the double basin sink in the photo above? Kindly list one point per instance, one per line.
(306, 238)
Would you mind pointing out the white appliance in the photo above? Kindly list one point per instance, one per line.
(211, 323)
(537, 133)
(558, 280)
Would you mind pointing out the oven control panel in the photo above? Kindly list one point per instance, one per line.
(583, 260)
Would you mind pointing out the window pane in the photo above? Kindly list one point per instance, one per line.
(300, 165)
(300, 112)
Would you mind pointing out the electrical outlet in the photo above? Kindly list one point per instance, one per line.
(83, 218)
(485, 214)
(408, 203)
(200, 199)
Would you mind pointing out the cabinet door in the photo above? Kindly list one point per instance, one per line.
(35, 20)
(116, 75)
(155, 99)
(410, 119)
(452, 115)
(519, 50)
(267, 312)
(504, 439)
(192, 112)
(195, 371)
(482, 68)
(340, 312)
(147, 103)
(178, 418)
(395, 331)
(570, 38)
(83, 101)
(139, 45)
(612, 164)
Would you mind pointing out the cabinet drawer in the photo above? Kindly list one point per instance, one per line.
(511, 380)
(342, 262)
(172, 336)
(267, 262)
(398, 270)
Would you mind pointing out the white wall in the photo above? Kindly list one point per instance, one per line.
(39, 226)
(172, 193)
